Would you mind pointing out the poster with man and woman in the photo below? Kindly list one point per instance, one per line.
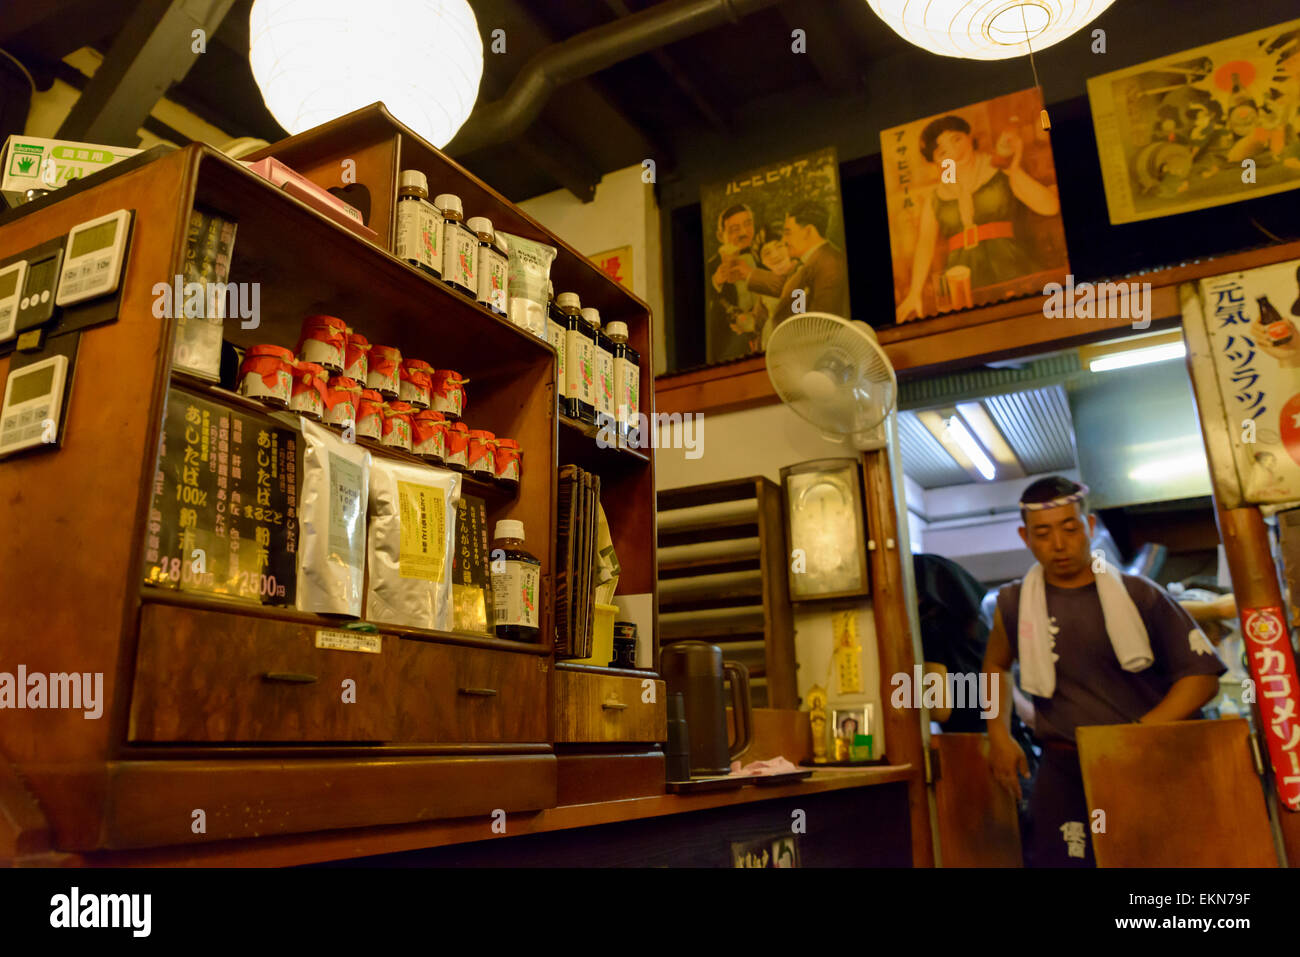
(974, 213)
(774, 246)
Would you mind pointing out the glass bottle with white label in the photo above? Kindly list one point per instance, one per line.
(627, 384)
(516, 584)
(555, 335)
(491, 266)
(459, 247)
(579, 359)
(419, 224)
(604, 372)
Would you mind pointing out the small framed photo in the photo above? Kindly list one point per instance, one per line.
(851, 733)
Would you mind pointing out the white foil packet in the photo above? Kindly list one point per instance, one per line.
(331, 522)
(528, 270)
(411, 538)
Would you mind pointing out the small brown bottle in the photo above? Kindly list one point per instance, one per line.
(1278, 330)
(516, 584)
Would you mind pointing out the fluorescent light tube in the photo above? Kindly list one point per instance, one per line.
(967, 443)
(1138, 357)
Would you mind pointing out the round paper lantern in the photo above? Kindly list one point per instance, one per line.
(315, 60)
(986, 29)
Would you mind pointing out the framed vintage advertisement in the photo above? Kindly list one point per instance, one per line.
(1212, 125)
(1251, 321)
(974, 214)
(825, 529)
(773, 246)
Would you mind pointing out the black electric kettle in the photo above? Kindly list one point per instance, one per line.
(696, 669)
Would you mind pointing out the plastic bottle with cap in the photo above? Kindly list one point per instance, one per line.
(555, 335)
(419, 224)
(627, 385)
(490, 266)
(579, 359)
(604, 375)
(459, 247)
(516, 584)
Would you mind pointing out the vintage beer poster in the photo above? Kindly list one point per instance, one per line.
(1252, 322)
(1212, 125)
(773, 246)
(974, 212)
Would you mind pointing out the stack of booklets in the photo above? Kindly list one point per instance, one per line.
(575, 554)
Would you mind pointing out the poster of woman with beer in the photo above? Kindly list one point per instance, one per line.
(974, 215)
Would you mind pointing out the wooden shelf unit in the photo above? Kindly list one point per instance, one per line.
(76, 552)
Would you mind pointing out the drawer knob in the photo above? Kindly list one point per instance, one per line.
(613, 704)
(478, 692)
(290, 677)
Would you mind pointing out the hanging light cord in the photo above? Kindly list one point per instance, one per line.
(9, 56)
(1025, 20)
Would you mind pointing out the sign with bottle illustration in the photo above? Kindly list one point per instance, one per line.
(1203, 127)
(1251, 323)
(224, 515)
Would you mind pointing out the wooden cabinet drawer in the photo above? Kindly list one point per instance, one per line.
(211, 676)
(592, 707)
(454, 693)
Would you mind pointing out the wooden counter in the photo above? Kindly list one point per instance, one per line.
(324, 847)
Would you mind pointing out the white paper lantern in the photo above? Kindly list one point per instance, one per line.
(986, 29)
(315, 60)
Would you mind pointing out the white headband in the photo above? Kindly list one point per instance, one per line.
(1058, 501)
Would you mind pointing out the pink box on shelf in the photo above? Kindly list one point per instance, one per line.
(303, 189)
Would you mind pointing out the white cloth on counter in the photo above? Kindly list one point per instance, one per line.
(777, 765)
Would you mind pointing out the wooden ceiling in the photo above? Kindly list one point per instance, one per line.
(656, 105)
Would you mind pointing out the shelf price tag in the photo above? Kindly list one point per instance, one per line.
(349, 641)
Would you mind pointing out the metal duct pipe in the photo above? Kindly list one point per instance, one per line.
(587, 53)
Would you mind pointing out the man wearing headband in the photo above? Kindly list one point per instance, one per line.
(1095, 646)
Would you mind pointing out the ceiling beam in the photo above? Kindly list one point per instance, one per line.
(556, 156)
(668, 63)
(826, 50)
(587, 53)
(153, 50)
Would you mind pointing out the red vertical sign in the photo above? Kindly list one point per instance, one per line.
(1272, 666)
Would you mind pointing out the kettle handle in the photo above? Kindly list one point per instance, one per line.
(741, 708)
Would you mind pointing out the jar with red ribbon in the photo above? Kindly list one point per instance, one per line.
(416, 385)
(369, 415)
(429, 435)
(507, 463)
(449, 393)
(308, 396)
(458, 446)
(355, 356)
(266, 374)
(342, 396)
(323, 342)
(479, 456)
(396, 433)
(382, 372)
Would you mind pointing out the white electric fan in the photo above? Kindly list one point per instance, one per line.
(834, 374)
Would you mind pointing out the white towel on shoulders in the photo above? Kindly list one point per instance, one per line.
(1036, 639)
